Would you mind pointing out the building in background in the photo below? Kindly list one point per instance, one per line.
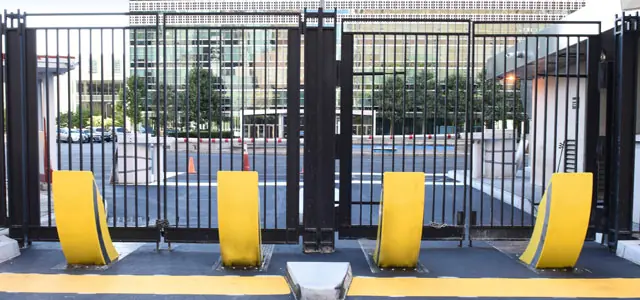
(249, 66)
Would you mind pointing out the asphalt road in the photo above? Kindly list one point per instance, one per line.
(190, 199)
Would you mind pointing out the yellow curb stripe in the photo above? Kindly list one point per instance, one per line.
(495, 287)
(144, 284)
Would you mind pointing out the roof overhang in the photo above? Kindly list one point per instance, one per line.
(51, 64)
(598, 17)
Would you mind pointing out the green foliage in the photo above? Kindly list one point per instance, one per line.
(134, 102)
(204, 97)
(445, 101)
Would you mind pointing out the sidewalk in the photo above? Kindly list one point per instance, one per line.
(489, 270)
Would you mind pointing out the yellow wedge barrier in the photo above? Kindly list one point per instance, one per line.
(81, 219)
(562, 221)
(400, 222)
(239, 219)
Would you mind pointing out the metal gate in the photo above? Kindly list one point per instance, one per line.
(154, 108)
(487, 110)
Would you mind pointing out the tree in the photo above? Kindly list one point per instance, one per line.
(493, 102)
(398, 98)
(136, 95)
(205, 94)
(63, 121)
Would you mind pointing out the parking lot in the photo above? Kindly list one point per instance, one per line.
(189, 200)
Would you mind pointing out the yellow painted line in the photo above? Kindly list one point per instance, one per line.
(143, 284)
(495, 287)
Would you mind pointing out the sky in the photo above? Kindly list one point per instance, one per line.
(42, 6)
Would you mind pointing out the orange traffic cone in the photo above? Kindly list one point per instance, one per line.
(245, 159)
(192, 167)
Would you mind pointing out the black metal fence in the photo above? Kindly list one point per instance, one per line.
(487, 110)
(155, 108)
(156, 104)
(621, 130)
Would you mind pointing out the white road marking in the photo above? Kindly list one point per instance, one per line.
(284, 183)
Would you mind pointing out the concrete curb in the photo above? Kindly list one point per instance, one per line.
(629, 250)
(319, 280)
(487, 187)
(8, 249)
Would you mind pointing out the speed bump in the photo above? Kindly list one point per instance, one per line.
(239, 219)
(81, 219)
(562, 221)
(400, 221)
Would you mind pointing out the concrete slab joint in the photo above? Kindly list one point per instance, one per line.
(8, 249)
(319, 280)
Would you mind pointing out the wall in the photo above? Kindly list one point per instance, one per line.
(555, 128)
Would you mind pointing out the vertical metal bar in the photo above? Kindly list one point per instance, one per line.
(436, 102)
(114, 171)
(125, 97)
(578, 100)
(534, 99)
(373, 133)
(102, 106)
(293, 123)
(566, 100)
(523, 139)
(445, 113)
(3, 129)
(275, 139)
(514, 148)
(47, 134)
(592, 129)
(80, 141)
(157, 128)
(231, 88)
(210, 120)
(555, 117)
(146, 124)
(383, 108)
(546, 113)
(404, 96)
(470, 124)
(220, 99)
(360, 207)
(455, 126)
(264, 123)
(415, 97)
(393, 103)
(175, 118)
(198, 120)
(504, 135)
(165, 109)
(187, 115)
(484, 124)
(91, 87)
(58, 121)
(253, 97)
(135, 103)
(424, 107)
(17, 201)
(32, 172)
(493, 126)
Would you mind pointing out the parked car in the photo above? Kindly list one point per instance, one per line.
(119, 131)
(87, 136)
(75, 136)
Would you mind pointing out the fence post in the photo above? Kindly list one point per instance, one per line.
(624, 129)
(319, 139)
(22, 130)
(592, 128)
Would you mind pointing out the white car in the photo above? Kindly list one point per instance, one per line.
(69, 136)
